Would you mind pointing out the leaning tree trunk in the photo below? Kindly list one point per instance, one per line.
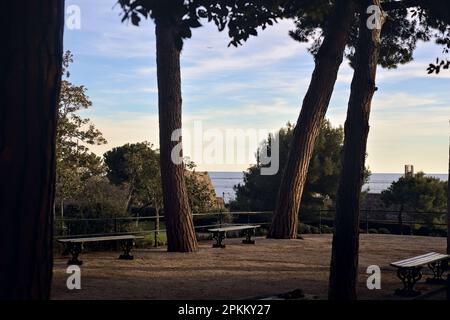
(344, 260)
(30, 76)
(179, 222)
(315, 104)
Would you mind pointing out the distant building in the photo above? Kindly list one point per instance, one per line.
(409, 170)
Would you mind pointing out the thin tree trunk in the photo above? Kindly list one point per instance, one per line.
(344, 260)
(30, 77)
(315, 104)
(129, 199)
(180, 227)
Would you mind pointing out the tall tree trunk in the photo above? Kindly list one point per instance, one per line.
(157, 228)
(30, 76)
(344, 260)
(448, 203)
(315, 104)
(180, 227)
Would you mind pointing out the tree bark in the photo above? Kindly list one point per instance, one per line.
(344, 260)
(448, 203)
(180, 227)
(30, 78)
(157, 228)
(315, 104)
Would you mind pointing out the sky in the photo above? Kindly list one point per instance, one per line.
(259, 86)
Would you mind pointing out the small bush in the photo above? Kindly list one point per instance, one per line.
(384, 231)
(149, 241)
(261, 232)
(315, 230)
(423, 231)
(304, 228)
(373, 231)
(326, 229)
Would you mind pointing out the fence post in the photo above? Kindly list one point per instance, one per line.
(320, 221)
(156, 234)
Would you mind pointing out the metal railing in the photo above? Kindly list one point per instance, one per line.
(320, 219)
(408, 221)
(82, 227)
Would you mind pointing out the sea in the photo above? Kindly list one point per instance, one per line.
(224, 182)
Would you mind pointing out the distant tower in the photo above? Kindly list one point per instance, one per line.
(409, 170)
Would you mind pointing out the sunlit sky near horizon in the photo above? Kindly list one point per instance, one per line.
(259, 85)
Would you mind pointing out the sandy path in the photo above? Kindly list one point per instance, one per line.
(237, 272)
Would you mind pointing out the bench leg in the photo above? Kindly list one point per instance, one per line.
(438, 269)
(409, 277)
(218, 237)
(248, 236)
(127, 246)
(74, 248)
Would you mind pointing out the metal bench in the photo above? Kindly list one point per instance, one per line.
(219, 234)
(74, 246)
(410, 271)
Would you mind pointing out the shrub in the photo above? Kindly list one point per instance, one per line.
(149, 240)
(373, 230)
(304, 228)
(315, 230)
(423, 231)
(326, 229)
(261, 232)
(384, 231)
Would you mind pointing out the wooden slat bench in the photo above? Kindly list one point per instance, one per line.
(219, 234)
(74, 246)
(410, 271)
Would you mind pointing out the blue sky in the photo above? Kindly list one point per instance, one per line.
(260, 85)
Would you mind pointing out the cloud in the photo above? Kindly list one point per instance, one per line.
(259, 85)
(126, 127)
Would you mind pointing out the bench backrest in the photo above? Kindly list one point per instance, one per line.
(234, 228)
(104, 238)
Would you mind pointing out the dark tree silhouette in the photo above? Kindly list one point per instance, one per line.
(344, 260)
(448, 203)
(398, 41)
(30, 77)
(328, 59)
(170, 28)
(394, 45)
(258, 192)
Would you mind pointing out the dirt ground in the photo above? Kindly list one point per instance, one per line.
(239, 271)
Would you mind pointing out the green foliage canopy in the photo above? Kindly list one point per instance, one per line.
(259, 192)
(419, 193)
(136, 166)
(241, 17)
(74, 162)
